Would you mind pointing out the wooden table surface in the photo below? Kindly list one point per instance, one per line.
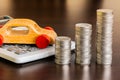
(62, 15)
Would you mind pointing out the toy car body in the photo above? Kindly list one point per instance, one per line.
(26, 31)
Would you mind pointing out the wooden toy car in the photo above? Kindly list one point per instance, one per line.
(26, 31)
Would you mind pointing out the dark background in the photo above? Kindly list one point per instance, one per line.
(62, 15)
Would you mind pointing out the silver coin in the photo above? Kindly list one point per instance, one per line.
(62, 50)
(83, 33)
(104, 35)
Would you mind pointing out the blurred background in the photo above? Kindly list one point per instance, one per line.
(57, 13)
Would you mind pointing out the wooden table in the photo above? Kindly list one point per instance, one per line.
(62, 15)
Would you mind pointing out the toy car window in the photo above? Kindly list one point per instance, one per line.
(18, 30)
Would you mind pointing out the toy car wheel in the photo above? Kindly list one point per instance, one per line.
(49, 28)
(1, 26)
(42, 41)
(1, 40)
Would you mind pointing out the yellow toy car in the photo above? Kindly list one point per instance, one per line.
(26, 31)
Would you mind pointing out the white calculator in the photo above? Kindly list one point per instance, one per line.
(29, 56)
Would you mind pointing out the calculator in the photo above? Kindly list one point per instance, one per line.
(26, 53)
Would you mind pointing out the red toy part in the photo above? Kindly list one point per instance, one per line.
(1, 40)
(49, 28)
(42, 41)
(1, 26)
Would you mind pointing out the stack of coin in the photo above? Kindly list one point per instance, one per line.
(83, 43)
(62, 50)
(104, 36)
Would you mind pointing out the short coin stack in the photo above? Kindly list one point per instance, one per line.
(63, 50)
(83, 33)
(104, 36)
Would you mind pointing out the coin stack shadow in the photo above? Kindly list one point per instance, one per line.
(104, 36)
(63, 50)
(83, 33)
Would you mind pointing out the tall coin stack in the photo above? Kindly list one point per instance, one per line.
(63, 50)
(83, 33)
(104, 36)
